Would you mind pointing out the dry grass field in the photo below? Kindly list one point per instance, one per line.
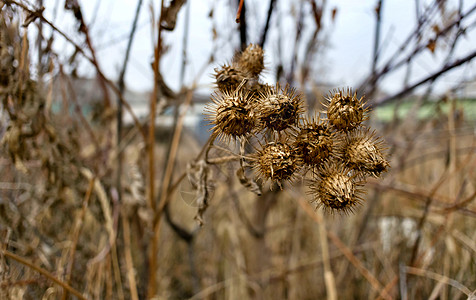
(91, 208)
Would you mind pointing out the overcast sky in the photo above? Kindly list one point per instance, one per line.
(345, 61)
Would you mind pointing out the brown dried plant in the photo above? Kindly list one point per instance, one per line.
(279, 109)
(314, 141)
(341, 152)
(252, 60)
(335, 189)
(68, 228)
(345, 111)
(276, 161)
(232, 113)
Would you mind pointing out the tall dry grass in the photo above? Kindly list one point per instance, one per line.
(67, 229)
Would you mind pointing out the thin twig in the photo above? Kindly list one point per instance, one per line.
(91, 60)
(128, 258)
(299, 27)
(83, 28)
(154, 247)
(431, 77)
(119, 112)
(376, 285)
(329, 277)
(76, 233)
(378, 16)
(238, 13)
(181, 232)
(264, 33)
(205, 147)
(164, 196)
(243, 25)
(242, 215)
(439, 278)
(391, 65)
(78, 111)
(43, 272)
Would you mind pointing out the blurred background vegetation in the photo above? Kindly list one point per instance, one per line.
(96, 193)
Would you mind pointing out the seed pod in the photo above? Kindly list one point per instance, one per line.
(279, 109)
(228, 78)
(363, 151)
(345, 111)
(276, 161)
(252, 60)
(256, 89)
(335, 190)
(314, 142)
(231, 113)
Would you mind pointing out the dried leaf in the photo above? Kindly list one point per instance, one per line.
(198, 175)
(431, 46)
(334, 14)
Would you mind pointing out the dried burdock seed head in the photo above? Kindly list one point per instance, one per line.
(345, 111)
(279, 109)
(335, 190)
(256, 88)
(228, 78)
(252, 60)
(276, 161)
(363, 151)
(314, 141)
(232, 113)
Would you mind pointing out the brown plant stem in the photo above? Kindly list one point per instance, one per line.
(78, 111)
(79, 49)
(392, 64)
(243, 25)
(376, 285)
(152, 281)
(329, 277)
(440, 278)
(76, 9)
(43, 272)
(205, 147)
(272, 4)
(238, 13)
(242, 215)
(378, 16)
(76, 233)
(163, 198)
(188, 238)
(119, 112)
(128, 257)
(431, 77)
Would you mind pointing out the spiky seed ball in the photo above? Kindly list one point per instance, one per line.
(276, 161)
(252, 60)
(335, 190)
(314, 142)
(231, 113)
(363, 151)
(279, 109)
(228, 78)
(345, 111)
(257, 89)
